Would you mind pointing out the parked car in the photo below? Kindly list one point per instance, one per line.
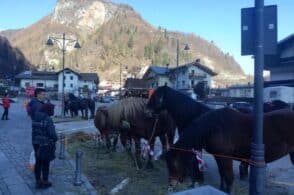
(244, 107)
(106, 99)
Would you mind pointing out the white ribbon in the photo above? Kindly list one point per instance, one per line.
(201, 163)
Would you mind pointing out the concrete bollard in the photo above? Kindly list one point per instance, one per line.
(78, 171)
(62, 146)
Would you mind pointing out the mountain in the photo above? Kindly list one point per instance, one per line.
(112, 35)
(12, 59)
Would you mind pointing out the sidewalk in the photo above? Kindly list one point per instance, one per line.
(10, 181)
(15, 150)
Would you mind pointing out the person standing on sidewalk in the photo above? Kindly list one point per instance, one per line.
(43, 139)
(6, 105)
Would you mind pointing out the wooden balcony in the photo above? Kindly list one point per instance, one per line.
(197, 76)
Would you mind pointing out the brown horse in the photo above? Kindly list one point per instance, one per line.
(229, 132)
(131, 111)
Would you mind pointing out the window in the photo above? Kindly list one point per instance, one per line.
(183, 83)
(71, 77)
(71, 85)
(64, 85)
(27, 84)
(192, 82)
(40, 85)
(273, 94)
(193, 72)
(55, 86)
(64, 77)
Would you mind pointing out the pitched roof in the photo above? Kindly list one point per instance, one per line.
(43, 75)
(135, 83)
(286, 40)
(37, 75)
(159, 69)
(89, 76)
(198, 65)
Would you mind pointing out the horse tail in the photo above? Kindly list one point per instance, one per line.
(292, 157)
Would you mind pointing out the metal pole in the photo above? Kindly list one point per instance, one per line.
(62, 146)
(120, 80)
(63, 83)
(257, 173)
(78, 171)
(178, 51)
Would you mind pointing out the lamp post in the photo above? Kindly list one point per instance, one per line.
(186, 48)
(120, 78)
(62, 40)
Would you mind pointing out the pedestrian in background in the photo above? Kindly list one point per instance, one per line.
(6, 105)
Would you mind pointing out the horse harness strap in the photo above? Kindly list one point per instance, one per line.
(154, 128)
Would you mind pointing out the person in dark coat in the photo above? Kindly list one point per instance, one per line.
(36, 102)
(43, 139)
(6, 105)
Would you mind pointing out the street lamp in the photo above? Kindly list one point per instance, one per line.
(120, 77)
(186, 48)
(61, 40)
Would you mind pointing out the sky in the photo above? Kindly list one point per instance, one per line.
(213, 20)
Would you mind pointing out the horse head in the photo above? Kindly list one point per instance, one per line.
(157, 101)
(100, 119)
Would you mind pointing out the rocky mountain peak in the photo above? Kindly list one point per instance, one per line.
(87, 15)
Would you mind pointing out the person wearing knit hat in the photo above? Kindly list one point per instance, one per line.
(43, 139)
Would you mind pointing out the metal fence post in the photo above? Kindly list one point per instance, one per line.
(78, 171)
(62, 146)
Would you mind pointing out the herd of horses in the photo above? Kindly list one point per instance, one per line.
(73, 104)
(224, 132)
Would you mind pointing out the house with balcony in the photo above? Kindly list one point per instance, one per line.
(156, 76)
(74, 82)
(183, 78)
(186, 77)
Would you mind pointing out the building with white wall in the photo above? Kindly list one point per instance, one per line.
(184, 77)
(281, 65)
(74, 82)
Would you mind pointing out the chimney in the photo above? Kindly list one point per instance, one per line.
(198, 60)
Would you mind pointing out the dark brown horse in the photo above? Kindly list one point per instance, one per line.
(267, 107)
(128, 117)
(229, 132)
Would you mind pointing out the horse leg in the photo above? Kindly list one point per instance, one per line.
(197, 176)
(115, 142)
(108, 143)
(164, 146)
(292, 157)
(149, 164)
(225, 167)
(138, 152)
(86, 114)
(243, 170)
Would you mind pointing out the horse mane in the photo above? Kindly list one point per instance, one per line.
(186, 110)
(126, 109)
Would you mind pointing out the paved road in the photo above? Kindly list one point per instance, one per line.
(15, 149)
